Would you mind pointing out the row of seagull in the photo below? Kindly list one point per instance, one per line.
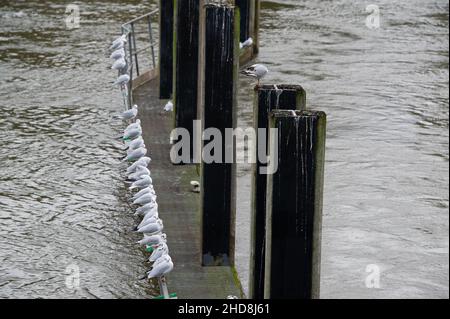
(144, 197)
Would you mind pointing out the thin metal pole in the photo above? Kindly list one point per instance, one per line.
(130, 83)
(150, 31)
(135, 49)
(163, 287)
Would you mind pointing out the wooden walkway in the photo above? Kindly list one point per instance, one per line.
(179, 207)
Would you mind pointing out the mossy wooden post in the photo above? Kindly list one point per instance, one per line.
(219, 74)
(166, 23)
(267, 98)
(185, 66)
(294, 205)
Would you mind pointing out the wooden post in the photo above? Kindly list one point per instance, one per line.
(185, 73)
(256, 20)
(219, 75)
(294, 205)
(267, 98)
(245, 19)
(166, 23)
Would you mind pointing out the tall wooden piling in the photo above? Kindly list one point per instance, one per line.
(245, 18)
(294, 205)
(220, 58)
(185, 73)
(166, 13)
(267, 99)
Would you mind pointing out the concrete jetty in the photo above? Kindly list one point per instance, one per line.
(179, 206)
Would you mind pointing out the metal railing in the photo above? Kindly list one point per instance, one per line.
(133, 54)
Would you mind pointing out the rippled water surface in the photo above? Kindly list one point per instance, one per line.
(62, 199)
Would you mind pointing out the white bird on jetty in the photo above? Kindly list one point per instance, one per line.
(121, 80)
(169, 107)
(144, 182)
(161, 267)
(162, 250)
(118, 54)
(145, 199)
(119, 64)
(131, 135)
(135, 144)
(147, 209)
(195, 186)
(143, 161)
(119, 42)
(257, 71)
(153, 240)
(135, 154)
(140, 172)
(153, 228)
(246, 43)
(134, 125)
(153, 213)
(128, 114)
(151, 220)
(144, 191)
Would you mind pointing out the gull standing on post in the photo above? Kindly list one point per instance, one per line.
(257, 71)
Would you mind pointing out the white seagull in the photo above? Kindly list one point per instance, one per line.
(145, 199)
(132, 134)
(143, 192)
(257, 71)
(135, 154)
(123, 79)
(144, 182)
(153, 228)
(161, 267)
(162, 250)
(143, 161)
(169, 107)
(119, 64)
(149, 208)
(118, 54)
(153, 240)
(246, 43)
(129, 114)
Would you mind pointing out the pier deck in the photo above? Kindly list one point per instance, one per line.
(179, 206)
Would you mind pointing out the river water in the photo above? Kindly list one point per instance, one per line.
(385, 90)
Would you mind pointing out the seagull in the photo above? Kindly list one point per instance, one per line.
(257, 71)
(143, 161)
(146, 209)
(140, 172)
(153, 240)
(119, 42)
(132, 134)
(162, 250)
(246, 43)
(119, 64)
(129, 114)
(145, 199)
(161, 267)
(196, 186)
(144, 182)
(118, 54)
(169, 107)
(134, 125)
(135, 155)
(123, 79)
(135, 144)
(144, 191)
(151, 220)
(153, 228)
